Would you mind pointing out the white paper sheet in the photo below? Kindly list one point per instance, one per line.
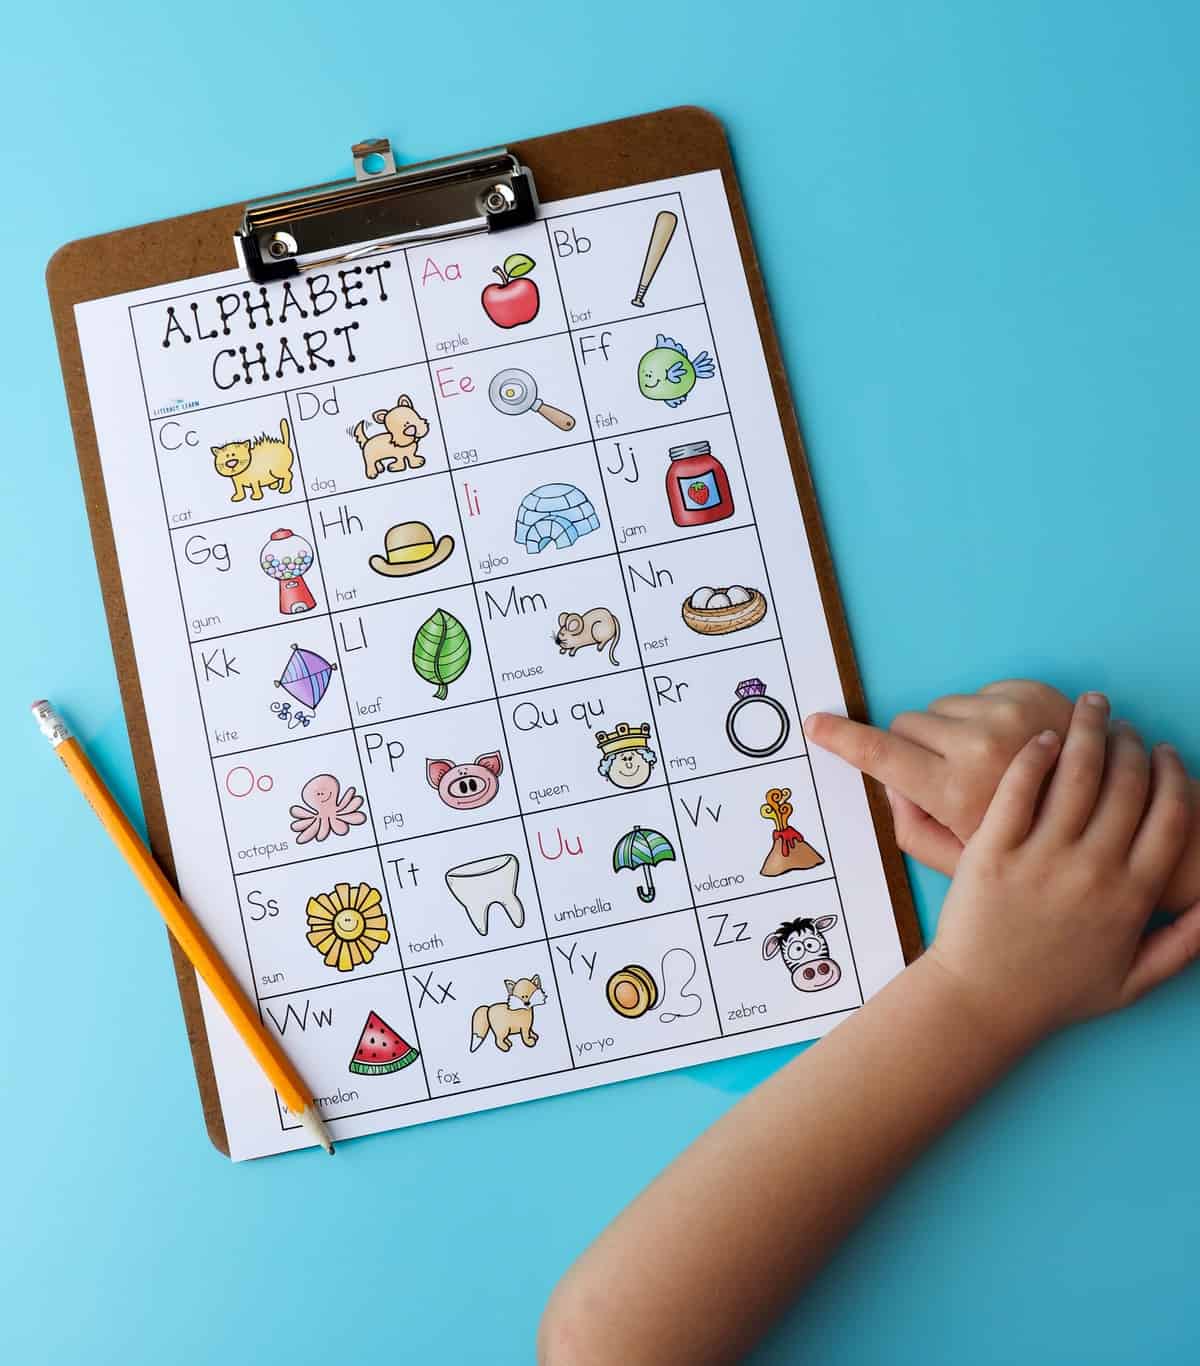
(481, 819)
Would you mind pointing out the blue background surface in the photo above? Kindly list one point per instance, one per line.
(978, 223)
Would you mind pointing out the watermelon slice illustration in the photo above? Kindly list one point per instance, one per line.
(380, 1049)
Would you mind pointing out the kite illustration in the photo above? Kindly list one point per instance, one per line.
(306, 677)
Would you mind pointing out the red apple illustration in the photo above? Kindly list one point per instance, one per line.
(515, 300)
(698, 493)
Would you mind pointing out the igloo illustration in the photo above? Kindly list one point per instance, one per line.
(554, 514)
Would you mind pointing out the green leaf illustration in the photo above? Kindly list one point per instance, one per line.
(517, 265)
(441, 651)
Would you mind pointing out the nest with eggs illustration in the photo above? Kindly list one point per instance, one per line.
(716, 611)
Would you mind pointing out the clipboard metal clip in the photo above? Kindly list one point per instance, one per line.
(386, 207)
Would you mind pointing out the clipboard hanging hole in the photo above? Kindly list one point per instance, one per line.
(373, 157)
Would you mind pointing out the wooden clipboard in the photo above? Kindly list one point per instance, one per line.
(606, 156)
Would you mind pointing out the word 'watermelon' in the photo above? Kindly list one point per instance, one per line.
(380, 1049)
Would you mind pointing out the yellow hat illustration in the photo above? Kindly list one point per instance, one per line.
(409, 549)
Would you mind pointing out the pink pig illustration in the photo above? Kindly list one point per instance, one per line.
(464, 786)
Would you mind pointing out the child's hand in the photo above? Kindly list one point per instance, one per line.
(941, 766)
(1044, 922)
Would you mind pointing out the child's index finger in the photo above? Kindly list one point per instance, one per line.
(902, 764)
(1010, 815)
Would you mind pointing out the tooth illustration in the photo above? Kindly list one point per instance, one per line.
(486, 882)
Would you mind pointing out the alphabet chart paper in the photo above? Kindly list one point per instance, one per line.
(475, 623)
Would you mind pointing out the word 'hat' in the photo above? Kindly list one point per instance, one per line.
(410, 549)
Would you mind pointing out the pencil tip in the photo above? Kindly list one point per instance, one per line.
(313, 1123)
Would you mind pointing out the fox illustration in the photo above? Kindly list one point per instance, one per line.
(514, 1016)
(263, 462)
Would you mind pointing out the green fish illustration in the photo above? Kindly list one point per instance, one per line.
(666, 373)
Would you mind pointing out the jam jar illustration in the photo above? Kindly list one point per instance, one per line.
(697, 485)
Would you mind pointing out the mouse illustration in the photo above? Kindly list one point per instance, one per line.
(597, 627)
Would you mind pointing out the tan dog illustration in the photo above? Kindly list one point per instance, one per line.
(597, 627)
(405, 430)
(514, 1016)
(263, 462)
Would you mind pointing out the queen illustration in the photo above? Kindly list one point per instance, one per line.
(287, 557)
(626, 757)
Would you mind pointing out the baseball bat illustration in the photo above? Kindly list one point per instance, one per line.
(656, 249)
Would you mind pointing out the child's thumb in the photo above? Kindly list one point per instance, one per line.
(918, 834)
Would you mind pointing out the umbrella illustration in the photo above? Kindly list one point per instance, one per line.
(306, 676)
(643, 849)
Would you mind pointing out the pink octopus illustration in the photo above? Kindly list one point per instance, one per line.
(325, 809)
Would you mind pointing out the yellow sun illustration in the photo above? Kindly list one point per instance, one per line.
(347, 925)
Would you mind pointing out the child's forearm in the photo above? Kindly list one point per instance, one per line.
(698, 1266)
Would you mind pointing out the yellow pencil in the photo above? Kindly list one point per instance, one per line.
(184, 926)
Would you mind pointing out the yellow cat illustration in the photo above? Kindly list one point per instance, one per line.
(263, 462)
(514, 1016)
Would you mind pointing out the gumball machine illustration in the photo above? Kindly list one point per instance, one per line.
(287, 558)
